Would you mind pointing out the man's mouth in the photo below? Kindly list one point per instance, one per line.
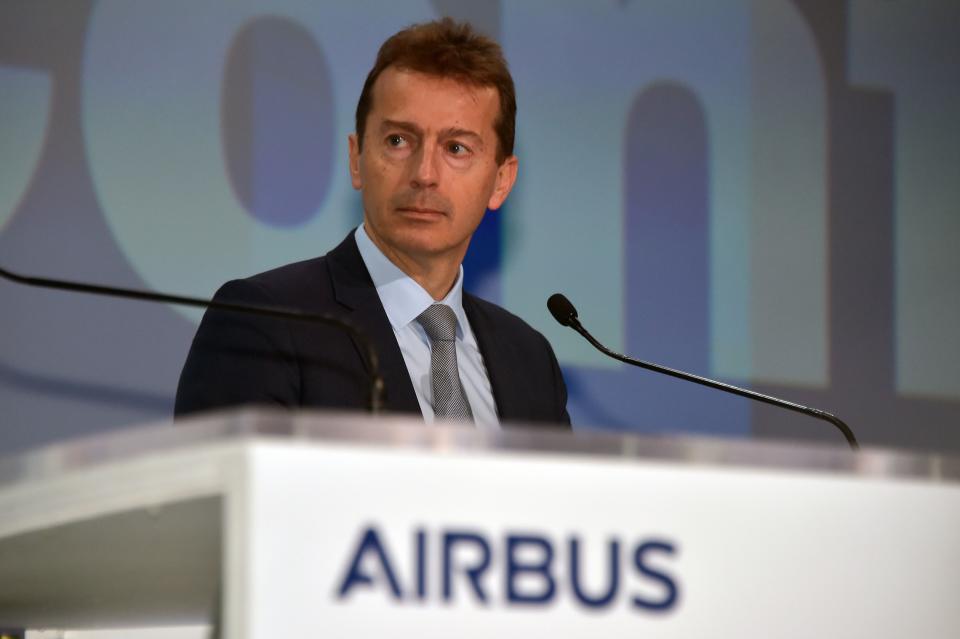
(417, 210)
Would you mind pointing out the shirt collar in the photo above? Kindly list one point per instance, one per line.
(402, 297)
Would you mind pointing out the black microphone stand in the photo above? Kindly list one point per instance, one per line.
(372, 361)
(564, 312)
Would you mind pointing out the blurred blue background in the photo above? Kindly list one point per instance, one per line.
(763, 191)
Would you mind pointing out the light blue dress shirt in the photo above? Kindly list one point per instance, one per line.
(404, 299)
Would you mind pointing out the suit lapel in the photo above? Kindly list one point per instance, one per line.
(354, 289)
(498, 360)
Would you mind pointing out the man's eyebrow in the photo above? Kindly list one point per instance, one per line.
(461, 133)
(403, 126)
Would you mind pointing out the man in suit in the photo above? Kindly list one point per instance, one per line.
(433, 150)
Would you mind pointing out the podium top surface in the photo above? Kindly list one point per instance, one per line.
(403, 432)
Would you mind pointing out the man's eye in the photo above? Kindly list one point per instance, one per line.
(457, 149)
(395, 140)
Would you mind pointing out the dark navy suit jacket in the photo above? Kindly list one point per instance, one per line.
(240, 359)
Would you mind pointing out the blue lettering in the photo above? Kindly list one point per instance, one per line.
(369, 543)
(614, 575)
(516, 568)
(670, 596)
(421, 561)
(530, 577)
(451, 539)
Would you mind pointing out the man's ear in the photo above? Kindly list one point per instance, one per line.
(506, 177)
(355, 161)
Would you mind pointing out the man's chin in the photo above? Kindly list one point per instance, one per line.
(420, 241)
(424, 244)
(425, 247)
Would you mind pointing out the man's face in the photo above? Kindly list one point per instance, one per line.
(428, 169)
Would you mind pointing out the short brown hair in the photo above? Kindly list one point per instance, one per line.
(448, 49)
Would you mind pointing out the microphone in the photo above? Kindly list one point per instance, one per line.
(371, 359)
(565, 313)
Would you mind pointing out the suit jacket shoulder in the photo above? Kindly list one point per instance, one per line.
(240, 358)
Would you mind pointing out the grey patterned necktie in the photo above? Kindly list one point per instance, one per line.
(449, 400)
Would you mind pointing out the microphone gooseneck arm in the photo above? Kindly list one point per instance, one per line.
(373, 362)
(564, 312)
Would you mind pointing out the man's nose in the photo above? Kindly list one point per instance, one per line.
(425, 172)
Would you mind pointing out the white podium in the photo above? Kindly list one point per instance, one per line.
(328, 525)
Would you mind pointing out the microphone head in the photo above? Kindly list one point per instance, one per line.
(562, 310)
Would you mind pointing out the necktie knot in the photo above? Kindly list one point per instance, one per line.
(440, 323)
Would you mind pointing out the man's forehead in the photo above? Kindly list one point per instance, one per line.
(397, 84)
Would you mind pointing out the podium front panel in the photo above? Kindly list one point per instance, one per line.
(335, 525)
